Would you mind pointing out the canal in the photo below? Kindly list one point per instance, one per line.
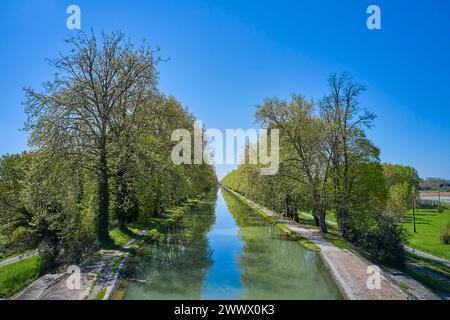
(224, 249)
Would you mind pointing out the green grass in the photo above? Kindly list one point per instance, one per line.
(94, 259)
(120, 237)
(430, 265)
(429, 225)
(437, 280)
(101, 294)
(304, 219)
(331, 216)
(301, 240)
(3, 257)
(17, 276)
(116, 265)
(336, 240)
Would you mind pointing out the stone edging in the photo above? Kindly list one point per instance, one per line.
(111, 290)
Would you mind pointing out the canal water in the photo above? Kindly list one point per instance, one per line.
(223, 249)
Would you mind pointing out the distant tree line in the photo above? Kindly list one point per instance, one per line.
(435, 184)
(329, 165)
(100, 142)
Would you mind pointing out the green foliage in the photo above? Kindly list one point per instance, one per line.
(328, 164)
(369, 194)
(383, 240)
(445, 234)
(403, 183)
(101, 158)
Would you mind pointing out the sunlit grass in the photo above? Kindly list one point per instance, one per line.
(18, 275)
(120, 237)
(429, 226)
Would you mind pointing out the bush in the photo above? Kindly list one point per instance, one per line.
(383, 240)
(440, 208)
(445, 237)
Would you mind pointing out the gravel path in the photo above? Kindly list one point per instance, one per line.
(417, 252)
(55, 286)
(99, 277)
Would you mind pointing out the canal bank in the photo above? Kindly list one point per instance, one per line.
(99, 276)
(349, 269)
(224, 249)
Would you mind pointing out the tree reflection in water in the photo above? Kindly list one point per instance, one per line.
(274, 266)
(175, 266)
(223, 249)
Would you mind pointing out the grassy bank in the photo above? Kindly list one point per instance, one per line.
(16, 276)
(432, 274)
(301, 240)
(429, 226)
(154, 226)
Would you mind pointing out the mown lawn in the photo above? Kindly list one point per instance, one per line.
(17, 276)
(429, 226)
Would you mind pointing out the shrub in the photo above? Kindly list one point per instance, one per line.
(383, 240)
(445, 236)
(440, 208)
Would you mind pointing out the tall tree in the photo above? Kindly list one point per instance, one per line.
(301, 135)
(94, 86)
(346, 140)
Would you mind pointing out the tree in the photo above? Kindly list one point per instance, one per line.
(303, 154)
(15, 219)
(403, 183)
(95, 86)
(347, 143)
(326, 161)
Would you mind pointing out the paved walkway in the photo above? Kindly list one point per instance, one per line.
(350, 269)
(18, 258)
(428, 256)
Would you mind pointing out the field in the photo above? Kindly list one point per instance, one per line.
(429, 226)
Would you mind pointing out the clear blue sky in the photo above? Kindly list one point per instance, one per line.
(227, 55)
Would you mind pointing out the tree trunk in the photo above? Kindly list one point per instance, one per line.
(120, 191)
(346, 191)
(344, 222)
(322, 222)
(316, 220)
(157, 205)
(103, 198)
(316, 206)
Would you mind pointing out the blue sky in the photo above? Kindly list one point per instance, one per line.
(227, 55)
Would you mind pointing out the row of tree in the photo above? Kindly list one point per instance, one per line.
(328, 164)
(100, 136)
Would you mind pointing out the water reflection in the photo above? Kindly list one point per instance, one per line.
(175, 266)
(273, 265)
(223, 249)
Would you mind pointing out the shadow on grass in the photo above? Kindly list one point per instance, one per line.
(421, 218)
